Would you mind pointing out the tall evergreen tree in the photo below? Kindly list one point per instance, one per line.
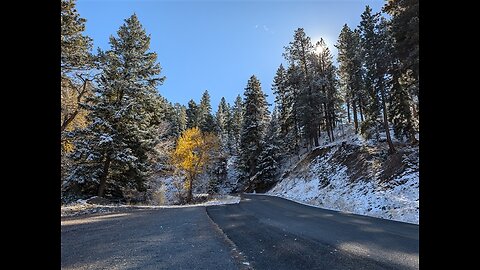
(285, 101)
(76, 62)
(177, 119)
(279, 88)
(308, 102)
(222, 121)
(205, 118)
(384, 62)
(116, 149)
(293, 136)
(370, 44)
(253, 130)
(192, 114)
(236, 113)
(268, 161)
(400, 114)
(405, 32)
(75, 46)
(324, 85)
(351, 73)
(376, 51)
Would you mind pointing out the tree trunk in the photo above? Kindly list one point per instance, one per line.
(391, 148)
(332, 124)
(355, 118)
(190, 189)
(361, 109)
(348, 111)
(328, 120)
(103, 178)
(69, 119)
(412, 139)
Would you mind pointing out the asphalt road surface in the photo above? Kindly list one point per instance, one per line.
(261, 232)
(174, 238)
(274, 233)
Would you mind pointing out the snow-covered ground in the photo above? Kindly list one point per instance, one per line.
(81, 207)
(329, 183)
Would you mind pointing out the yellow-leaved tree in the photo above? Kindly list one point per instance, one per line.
(194, 151)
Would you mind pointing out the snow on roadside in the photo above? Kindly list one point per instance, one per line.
(81, 207)
(327, 185)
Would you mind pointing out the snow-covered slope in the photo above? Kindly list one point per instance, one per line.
(357, 176)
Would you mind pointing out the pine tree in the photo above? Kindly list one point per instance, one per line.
(400, 113)
(182, 117)
(350, 70)
(237, 113)
(294, 136)
(324, 85)
(76, 86)
(192, 114)
(279, 89)
(206, 121)
(405, 33)
(369, 43)
(75, 46)
(284, 105)
(308, 102)
(222, 122)
(116, 150)
(375, 47)
(253, 130)
(177, 118)
(76, 61)
(217, 173)
(268, 161)
(384, 58)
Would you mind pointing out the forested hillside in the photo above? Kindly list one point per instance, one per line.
(123, 141)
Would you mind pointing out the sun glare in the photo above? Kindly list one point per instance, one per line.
(319, 49)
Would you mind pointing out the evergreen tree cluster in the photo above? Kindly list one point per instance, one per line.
(115, 123)
(376, 82)
(115, 151)
(378, 78)
(306, 94)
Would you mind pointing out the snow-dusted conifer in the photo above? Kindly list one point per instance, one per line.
(375, 48)
(115, 151)
(192, 114)
(253, 129)
(268, 161)
(222, 118)
(236, 121)
(206, 121)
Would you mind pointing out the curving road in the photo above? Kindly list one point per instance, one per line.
(261, 232)
(276, 233)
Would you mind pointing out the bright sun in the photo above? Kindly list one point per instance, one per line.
(320, 49)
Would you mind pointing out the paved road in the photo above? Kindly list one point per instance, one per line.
(177, 238)
(275, 233)
(260, 232)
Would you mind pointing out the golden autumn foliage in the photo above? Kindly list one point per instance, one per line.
(71, 96)
(194, 151)
(72, 115)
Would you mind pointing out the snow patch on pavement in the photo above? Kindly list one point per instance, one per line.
(81, 207)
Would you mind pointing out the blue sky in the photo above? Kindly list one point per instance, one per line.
(218, 45)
